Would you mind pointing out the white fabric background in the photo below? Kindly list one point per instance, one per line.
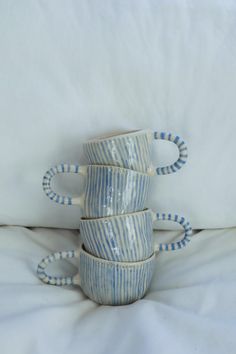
(190, 307)
(71, 70)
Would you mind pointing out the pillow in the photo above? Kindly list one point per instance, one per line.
(71, 71)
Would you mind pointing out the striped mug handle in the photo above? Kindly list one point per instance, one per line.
(58, 280)
(62, 168)
(180, 220)
(183, 153)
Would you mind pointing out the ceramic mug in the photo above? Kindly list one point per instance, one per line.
(128, 237)
(105, 282)
(133, 150)
(109, 190)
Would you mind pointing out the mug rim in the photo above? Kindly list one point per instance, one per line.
(118, 135)
(116, 263)
(117, 168)
(84, 219)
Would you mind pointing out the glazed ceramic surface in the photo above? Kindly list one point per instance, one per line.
(129, 237)
(133, 150)
(108, 190)
(105, 282)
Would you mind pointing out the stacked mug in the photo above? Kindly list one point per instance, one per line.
(116, 259)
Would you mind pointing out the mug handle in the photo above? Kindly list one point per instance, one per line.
(58, 280)
(62, 168)
(183, 153)
(180, 220)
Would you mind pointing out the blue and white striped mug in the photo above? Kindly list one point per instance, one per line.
(105, 282)
(133, 150)
(128, 237)
(109, 190)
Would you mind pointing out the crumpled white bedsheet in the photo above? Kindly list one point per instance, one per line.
(190, 307)
(73, 70)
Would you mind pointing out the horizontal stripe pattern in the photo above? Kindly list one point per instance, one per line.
(109, 190)
(62, 168)
(183, 153)
(113, 191)
(108, 283)
(187, 232)
(126, 238)
(55, 280)
(114, 283)
(130, 151)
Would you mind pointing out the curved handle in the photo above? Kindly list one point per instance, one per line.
(183, 153)
(174, 245)
(54, 280)
(62, 168)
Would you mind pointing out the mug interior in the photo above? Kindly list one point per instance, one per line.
(118, 169)
(116, 263)
(104, 218)
(118, 135)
